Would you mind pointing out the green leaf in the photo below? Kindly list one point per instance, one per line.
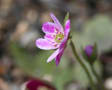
(32, 64)
(66, 18)
(99, 30)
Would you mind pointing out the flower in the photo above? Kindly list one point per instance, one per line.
(37, 84)
(90, 53)
(89, 50)
(55, 38)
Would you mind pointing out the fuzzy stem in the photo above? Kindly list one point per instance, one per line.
(83, 65)
(98, 78)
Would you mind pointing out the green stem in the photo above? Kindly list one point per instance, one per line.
(98, 78)
(83, 65)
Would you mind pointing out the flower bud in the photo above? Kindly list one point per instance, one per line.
(90, 53)
(89, 50)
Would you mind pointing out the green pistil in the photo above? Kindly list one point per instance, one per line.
(59, 37)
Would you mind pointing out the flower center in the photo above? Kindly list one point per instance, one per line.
(59, 37)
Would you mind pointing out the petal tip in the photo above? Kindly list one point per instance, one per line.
(36, 42)
(44, 44)
(48, 27)
(68, 22)
(57, 61)
(51, 14)
(48, 61)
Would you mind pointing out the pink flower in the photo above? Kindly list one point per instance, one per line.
(37, 84)
(55, 38)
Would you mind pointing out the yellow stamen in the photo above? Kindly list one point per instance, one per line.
(59, 37)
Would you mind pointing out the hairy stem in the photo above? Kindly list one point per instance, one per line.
(83, 65)
(99, 80)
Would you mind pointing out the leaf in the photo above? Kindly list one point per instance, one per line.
(66, 18)
(99, 30)
(81, 76)
(32, 64)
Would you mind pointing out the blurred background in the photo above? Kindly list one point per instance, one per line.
(21, 60)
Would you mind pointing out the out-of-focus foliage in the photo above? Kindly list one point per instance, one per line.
(36, 65)
(99, 30)
(32, 64)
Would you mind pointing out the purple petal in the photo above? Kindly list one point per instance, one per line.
(89, 50)
(67, 28)
(59, 26)
(48, 27)
(61, 51)
(63, 43)
(58, 57)
(44, 44)
(49, 37)
(53, 55)
(36, 84)
(61, 48)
